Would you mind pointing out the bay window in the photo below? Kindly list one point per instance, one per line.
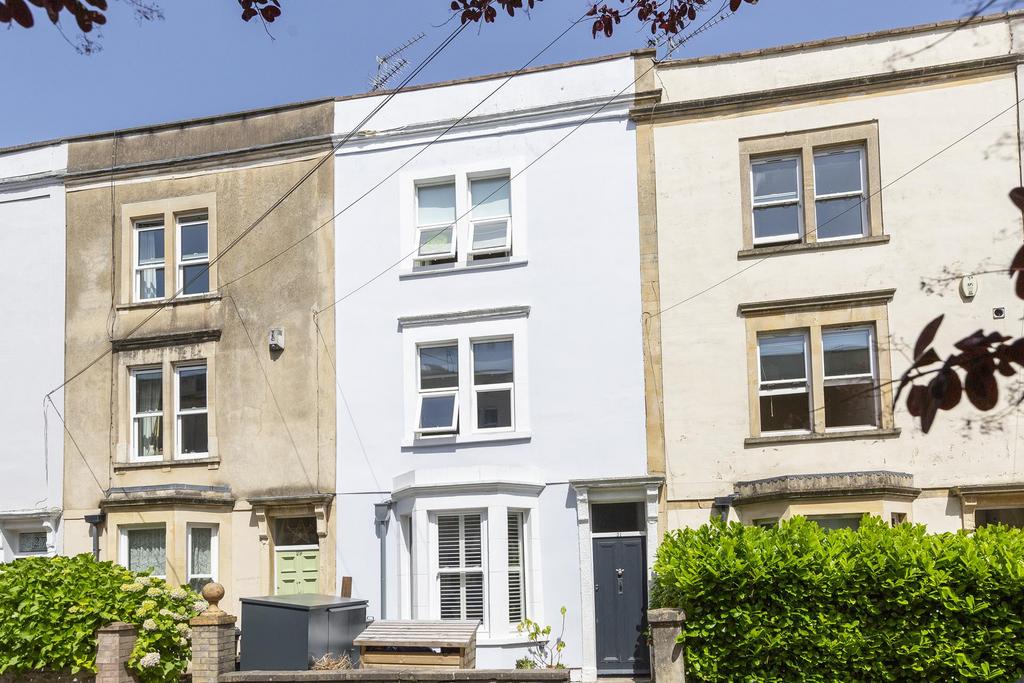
(460, 569)
(516, 568)
(145, 549)
(201, 555)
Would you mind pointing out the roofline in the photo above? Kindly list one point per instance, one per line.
(155, 127)
(135, 130)
(645, 52)
(842, 40)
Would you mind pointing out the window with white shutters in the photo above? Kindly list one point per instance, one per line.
(516, 573)
(460, 570)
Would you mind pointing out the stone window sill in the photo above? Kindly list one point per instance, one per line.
(180, 301)
(782, 249)
(762, 441)
(211, 463)
(461, 268)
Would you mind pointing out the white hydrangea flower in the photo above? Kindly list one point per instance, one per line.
(145, 580)
(166, 613)
(179, 617)
(178, 593)
(132, 587)
(149, 625)
(150, 659)
(182, 642)
(154, 592)
(200, 605)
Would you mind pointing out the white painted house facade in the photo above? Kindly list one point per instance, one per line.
(32, 351)
(491, 427)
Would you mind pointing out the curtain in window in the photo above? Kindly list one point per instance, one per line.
(147, 550)
(200, 568)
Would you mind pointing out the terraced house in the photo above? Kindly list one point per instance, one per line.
(845, 187)
(491, 407)
(199, 407)
(31, 361)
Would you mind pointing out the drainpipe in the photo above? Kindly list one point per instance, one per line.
(381, 516)
(94, 529)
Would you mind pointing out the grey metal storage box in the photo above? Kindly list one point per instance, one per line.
(287, 632)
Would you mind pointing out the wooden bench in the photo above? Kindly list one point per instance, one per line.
(428, 644)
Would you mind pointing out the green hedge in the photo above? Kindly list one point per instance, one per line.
(51, 608)
(797, 603)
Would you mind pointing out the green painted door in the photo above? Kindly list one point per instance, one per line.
(298, 571)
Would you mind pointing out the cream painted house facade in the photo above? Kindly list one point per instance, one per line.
(793, 203)
(202, 450)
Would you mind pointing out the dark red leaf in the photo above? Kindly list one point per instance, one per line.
(1017, 197)
(21, 13)
(973, 341)
(1005, 368)
(981, 387)
(946, 388)
(734, 5)
(927, 336)
(916, 399)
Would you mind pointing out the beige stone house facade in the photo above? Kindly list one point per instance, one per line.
(805, 211)
(200, 407)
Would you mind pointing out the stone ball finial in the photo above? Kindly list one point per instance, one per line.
(213, 593)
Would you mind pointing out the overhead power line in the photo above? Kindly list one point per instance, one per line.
(252, 226)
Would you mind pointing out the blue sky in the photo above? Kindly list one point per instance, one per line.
(202, 59)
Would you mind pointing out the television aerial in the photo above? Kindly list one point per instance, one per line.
(393, 63)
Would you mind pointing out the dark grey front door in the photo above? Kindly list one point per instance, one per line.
(620, 597)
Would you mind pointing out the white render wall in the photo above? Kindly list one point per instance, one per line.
(32, 350)
(574, 281)
(951, 213)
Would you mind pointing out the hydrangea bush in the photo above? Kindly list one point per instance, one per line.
(51, 608)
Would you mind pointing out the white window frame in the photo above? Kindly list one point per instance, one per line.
(784, 390)
(763, 203)
(506, 248)
(522, 568)
(147, 225)
(870, 379)
(133, 454)
(453, 251)
(485, 388)
(453, 428)
(183, 221)
(214, 552)
(462, 570)
(862, 193)
(179, 412)
(122, 550)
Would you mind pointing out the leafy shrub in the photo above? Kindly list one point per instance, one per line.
(542, 653)
(51, 608)
(797, 603)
